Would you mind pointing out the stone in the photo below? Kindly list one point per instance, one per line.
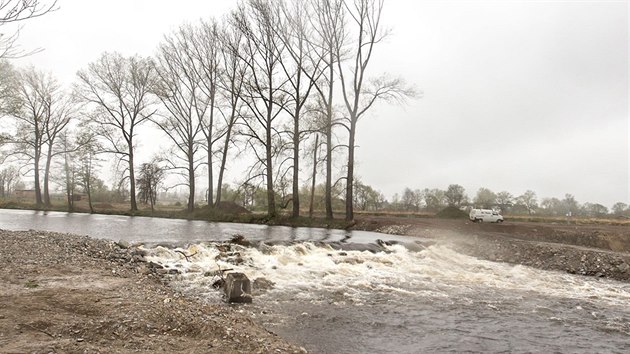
(123, 244)
(237, 288)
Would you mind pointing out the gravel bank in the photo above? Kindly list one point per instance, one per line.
(73, 294)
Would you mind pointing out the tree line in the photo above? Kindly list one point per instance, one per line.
(277, 81)
(435, 199)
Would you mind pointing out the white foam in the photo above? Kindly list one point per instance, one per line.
(304, 270)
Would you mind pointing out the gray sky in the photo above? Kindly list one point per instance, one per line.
(517, 95)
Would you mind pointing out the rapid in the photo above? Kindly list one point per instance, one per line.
(409, 298)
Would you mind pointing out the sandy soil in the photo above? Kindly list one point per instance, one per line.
(71, 294)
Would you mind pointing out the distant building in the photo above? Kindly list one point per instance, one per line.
(24, 193)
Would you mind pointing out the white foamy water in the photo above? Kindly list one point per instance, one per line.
(401, 301)
(306, 270)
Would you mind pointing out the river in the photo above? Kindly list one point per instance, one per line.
(407, 298)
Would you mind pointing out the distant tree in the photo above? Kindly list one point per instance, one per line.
(619, 208)
(434, 199)
(529, 201)
(117, 89)
(485, 198)
(17, 11)
(594, 210)
(8, 177)
(505, 200)
(552, 206)
(88, 150)
(150, 177)
(571, 206)
(455, 195)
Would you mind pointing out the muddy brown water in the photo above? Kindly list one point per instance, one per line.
(404, 300)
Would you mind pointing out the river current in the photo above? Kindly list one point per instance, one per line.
(398, 298)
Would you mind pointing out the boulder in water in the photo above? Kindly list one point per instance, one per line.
(237, 288)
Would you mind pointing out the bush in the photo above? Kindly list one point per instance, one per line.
(452, 212)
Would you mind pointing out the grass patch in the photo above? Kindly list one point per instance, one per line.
(31, 284)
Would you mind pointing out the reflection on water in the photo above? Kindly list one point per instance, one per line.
(171, 231)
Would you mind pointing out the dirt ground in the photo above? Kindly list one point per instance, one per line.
(71, 294)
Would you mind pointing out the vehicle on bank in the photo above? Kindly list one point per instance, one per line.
(485, 215)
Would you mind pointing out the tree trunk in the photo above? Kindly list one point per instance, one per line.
(311, 205)
(47, 202)
(191, 180)
(296, 162)
(224, 156)
(68, 183)
(210, 175)
(350, 176)
(132, 181)
(38, 190)
(88, 187)
(329, 113)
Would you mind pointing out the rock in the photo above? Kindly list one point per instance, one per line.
(240, 240)
(123, 244)
(623, 267)
(263, 284)
(237, 288)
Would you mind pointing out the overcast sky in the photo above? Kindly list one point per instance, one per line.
(517, 95)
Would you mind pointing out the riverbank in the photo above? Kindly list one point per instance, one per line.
(74, 294)
(598, 249)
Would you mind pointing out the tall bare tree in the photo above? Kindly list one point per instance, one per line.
(231, 82)
(329, 25)
(264, 92)
(117, 88)
(32, 104)
(303, 69)
(206, 53)
(17, 11)
(359, 91)
(180, 89)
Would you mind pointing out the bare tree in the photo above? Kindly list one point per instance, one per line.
(231, 82)
(263, 92)
(32, 110)
(17, 11)
(150, 177)
(206, 53)
(60, 111)
(329, 24)
(117, 89)
(180, 89)
(359, 92)
(88, 149)
(529, 201)
(8, 177)
(303, 69)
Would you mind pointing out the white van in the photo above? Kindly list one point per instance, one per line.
(485, 215)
